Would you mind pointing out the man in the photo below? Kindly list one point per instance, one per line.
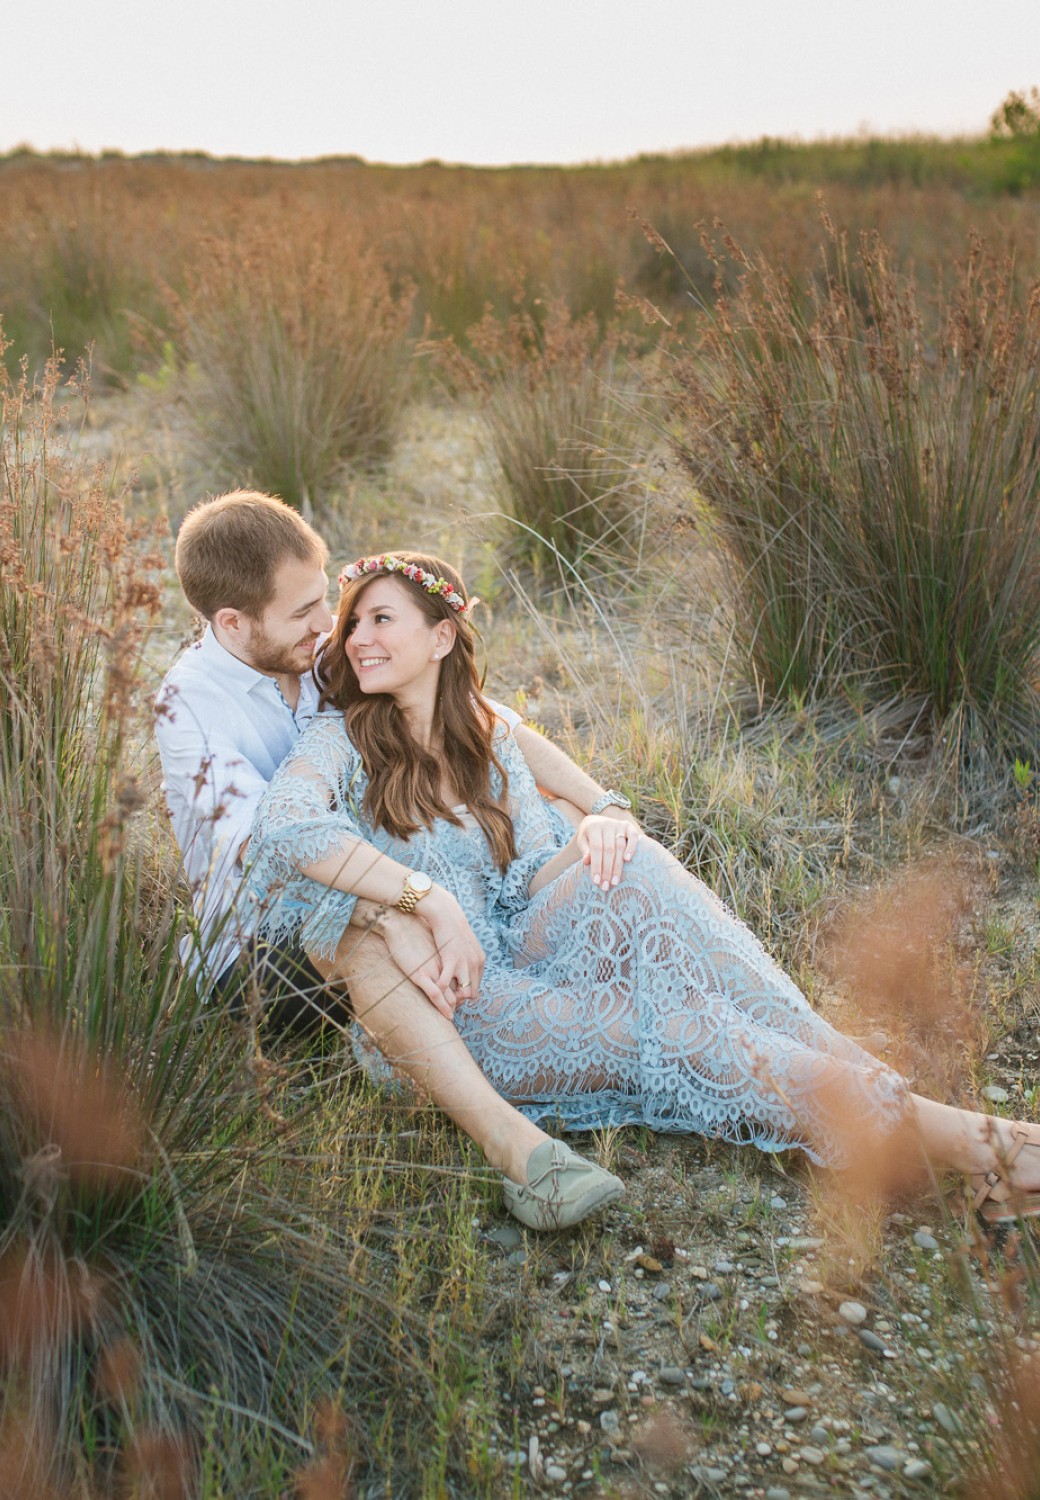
(230, 710)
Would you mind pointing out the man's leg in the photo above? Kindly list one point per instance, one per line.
(424, 1045)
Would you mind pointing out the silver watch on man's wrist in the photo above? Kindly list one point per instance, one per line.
(610, 799)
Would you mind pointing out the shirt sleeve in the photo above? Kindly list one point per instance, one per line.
(212, 790)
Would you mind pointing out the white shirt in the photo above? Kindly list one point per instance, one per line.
(223, 730)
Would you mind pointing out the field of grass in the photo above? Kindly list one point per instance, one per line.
(761, 540)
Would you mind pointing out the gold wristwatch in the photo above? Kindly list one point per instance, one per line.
(416, 886)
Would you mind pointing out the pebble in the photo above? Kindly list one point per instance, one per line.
(883, 1457)
(813, 1456)
(777, 1492)
(925, 1241)
(710, 1292)
(604, 1286)
(506, 1236)
(795, 1414)
(610, 1421)
(724, 1267)
(945, 1418)
(819, 1433)
(517, 1257)
(671, 1375)
(795, 1396)
(789, 1465)
(995, 1094)
(853, 1312)
(602, 1397)
(811, 1289)
(555, 1473)
(763, 1450)
(662, 1291)
(803, 1242)
(870, 1340)
(777, 1202)
(916, 1469)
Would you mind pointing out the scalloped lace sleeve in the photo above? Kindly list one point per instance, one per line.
(309, 809)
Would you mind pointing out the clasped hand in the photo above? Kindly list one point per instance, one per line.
(438, 951)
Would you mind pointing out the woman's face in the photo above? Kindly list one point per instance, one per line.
(390, 643)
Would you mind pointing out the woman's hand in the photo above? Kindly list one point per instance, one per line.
(606, 845)
(412, 948)
(460, 954)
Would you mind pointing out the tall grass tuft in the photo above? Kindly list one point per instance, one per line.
(874, 476)
(297, 350)
(187, 1262)
(562, 422)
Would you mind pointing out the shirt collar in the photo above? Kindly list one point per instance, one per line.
(220, 660)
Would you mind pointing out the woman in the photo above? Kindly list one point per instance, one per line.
(596, 981)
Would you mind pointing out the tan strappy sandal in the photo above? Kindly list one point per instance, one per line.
(1018, 1205)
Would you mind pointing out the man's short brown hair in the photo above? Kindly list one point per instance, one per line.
(229, 549)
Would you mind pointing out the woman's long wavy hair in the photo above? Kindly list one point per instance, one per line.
(404, 779)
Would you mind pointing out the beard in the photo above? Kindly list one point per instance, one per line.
(274, 657)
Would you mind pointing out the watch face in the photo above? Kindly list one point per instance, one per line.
(420, 882)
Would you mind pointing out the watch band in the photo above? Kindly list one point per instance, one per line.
(610, 799)
(414, 891)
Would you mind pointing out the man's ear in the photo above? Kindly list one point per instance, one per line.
(229, 620)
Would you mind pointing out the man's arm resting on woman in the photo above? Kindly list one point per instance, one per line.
(558, 776)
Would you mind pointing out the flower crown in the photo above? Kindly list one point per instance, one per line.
(428, 581)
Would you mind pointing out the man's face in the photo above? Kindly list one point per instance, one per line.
(285, 635)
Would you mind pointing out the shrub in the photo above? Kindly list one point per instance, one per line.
(185, 1263)
(562, 424)
(297, 343)
(874, 478)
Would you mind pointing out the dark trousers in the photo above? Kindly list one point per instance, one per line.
(279, 984)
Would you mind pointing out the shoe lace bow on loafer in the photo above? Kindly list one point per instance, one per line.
(562, 1188)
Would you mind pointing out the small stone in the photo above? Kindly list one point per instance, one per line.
(810, 1289)
(925, 1241)
(884, 1457)
(853, 1312)
(819, 1433)
(555, 1473)
(870, 1340)
(662, 1291)
(789, 1465)
(777, 1492)
(916, 1469)
(805, 1242)
(795, 1414)
(649, 1263)
(506, 1236)
(777, 1202)
(517, 1257)
(584, 1428)
(610, 1421)
(604, 1286)
(795, 1396)
(724, 1267)
(945, 1418)
(700, 1272)
(812, 1456)
(995, 1094)
(601, 1397)
(763, 1450)
(711, 1292)
(671, 1375)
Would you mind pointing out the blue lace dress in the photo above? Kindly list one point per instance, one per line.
(647, 1004)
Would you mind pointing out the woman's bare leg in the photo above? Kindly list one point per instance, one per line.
(974, 1143)
(416, 1038)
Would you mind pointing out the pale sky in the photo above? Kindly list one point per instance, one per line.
(500, 81)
